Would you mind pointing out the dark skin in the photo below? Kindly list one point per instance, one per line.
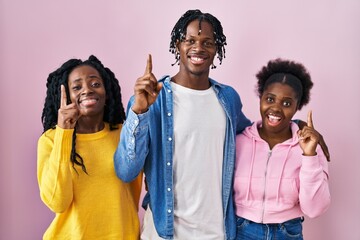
(197, 53)
(88, 96)
(322, 143)
(278, 105)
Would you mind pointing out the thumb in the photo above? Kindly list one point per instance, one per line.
(158, 87)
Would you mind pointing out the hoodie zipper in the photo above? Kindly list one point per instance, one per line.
(266, 168)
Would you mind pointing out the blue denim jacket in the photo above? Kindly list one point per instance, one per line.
(146, 143)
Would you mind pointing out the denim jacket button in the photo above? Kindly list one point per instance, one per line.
(170, 139)
(169, 210)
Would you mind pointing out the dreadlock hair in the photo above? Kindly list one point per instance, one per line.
(179, 32)
(289, 72)
(114, 112)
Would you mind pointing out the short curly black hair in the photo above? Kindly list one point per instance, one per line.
(178, 33)
(114, 112)
(289, 72)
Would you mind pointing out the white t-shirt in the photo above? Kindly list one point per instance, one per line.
(199, 135)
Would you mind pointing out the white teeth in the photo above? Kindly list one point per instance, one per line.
(89, 101)
(197, 59)
(273, 118)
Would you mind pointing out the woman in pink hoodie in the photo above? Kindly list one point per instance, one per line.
(281, 173)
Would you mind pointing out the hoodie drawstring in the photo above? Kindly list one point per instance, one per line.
(281, 173)
(251, 168)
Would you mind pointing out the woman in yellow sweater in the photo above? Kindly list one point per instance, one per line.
(82, 119)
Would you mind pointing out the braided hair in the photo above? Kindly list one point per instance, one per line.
(114, 112)
(289, 72)
(179, 32)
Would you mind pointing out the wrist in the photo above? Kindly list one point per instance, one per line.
(138, 110)
(309, 154)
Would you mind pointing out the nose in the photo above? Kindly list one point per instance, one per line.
(87, 90)
(277, 105)
(198, 46)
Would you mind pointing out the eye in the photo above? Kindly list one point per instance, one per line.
(189, 41)
(96, 84)
(76, 88)
(269, 99)
(286, 103)
(209, 44)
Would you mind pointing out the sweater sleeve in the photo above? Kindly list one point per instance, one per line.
(53, 169)
(314, 185)
(136, 187)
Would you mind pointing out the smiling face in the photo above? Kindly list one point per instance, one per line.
(278, 104)
(197, 51)
(87, 91)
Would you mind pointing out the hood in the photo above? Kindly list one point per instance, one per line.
(253, 133)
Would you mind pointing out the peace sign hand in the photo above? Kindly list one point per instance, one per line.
(309, 137)
(68, 114)
(146, 89)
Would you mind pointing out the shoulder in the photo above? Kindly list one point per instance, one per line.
(48, 135)
(223, 89)
(165, 78)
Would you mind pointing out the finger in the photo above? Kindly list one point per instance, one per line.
(158, 87)
(148, 68)
(63, 98)
(145, 86)
(309, 120)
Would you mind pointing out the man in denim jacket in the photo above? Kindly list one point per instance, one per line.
(181, 132)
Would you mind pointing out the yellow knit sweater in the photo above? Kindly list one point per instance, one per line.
(94, 206)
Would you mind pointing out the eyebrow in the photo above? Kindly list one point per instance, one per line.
(95, 76)
(273, 95)
(91, 77)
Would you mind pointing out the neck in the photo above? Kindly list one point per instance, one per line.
(88, 125)
(196, 82)
(273, 138)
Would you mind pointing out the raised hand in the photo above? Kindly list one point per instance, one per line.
(309, 137)
(146, 89)
(68, 114)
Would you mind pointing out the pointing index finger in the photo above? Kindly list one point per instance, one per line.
(309, 120)
(63, 98)
(148, 68)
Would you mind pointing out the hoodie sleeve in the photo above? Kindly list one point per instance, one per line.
(314, 185)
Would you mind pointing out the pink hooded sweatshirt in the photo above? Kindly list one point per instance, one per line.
(273, 186)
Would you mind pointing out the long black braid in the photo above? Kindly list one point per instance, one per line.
(179, 32)
(114, 112)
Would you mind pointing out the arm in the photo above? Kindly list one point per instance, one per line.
(314, 187)
(129, 157)
(136, 187)
(243, 121)
(322, 143)
(53, 170)
(133, 147)
(54, 175)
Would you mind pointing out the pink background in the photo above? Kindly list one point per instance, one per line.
(37, 36)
